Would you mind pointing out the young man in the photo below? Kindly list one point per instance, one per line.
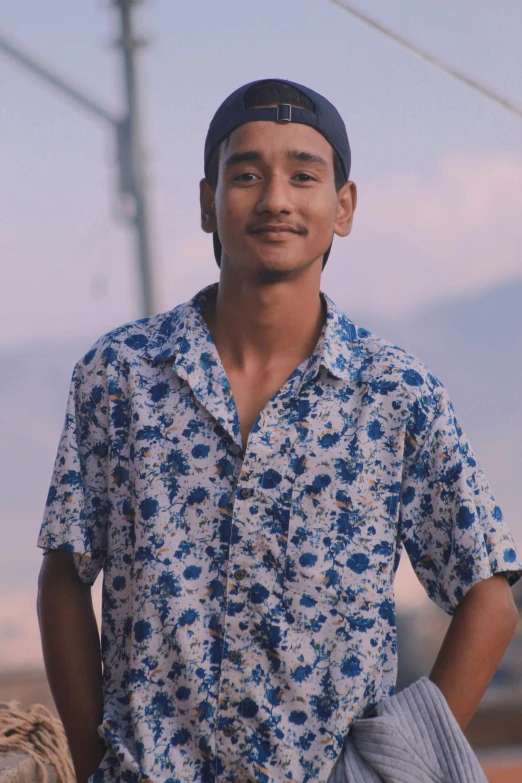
(245, 470)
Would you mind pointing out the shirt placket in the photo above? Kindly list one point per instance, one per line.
(268, 449)
(256, 562)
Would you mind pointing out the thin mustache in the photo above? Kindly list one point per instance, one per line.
(275, 227)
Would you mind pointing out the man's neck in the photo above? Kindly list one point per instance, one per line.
(258, 328)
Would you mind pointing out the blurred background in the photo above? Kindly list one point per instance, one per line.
(434, 262)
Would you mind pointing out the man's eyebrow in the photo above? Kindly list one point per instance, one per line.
(306, 157)
(255, 155)
(242, 157)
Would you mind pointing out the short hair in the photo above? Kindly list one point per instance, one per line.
(264, 94)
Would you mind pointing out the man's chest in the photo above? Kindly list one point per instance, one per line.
(310, 504)
(251, 395)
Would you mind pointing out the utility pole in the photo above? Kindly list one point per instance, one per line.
(127, 134)
(132, 183)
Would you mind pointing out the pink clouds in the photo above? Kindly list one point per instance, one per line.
(20, 644)
(419, 238)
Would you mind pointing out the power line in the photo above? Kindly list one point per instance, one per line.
(433, 59)
(36, 67)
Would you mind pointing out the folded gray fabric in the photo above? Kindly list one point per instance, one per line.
(412, 738)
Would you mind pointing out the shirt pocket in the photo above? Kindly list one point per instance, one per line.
(335, 553)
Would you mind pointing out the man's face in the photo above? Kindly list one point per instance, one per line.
(275, 206)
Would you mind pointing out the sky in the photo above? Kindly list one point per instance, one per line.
(438, 166)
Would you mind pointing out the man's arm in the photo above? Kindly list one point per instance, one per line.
(480, 630)
(72, 656)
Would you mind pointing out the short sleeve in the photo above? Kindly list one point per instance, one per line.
(76, 511)
(450, 524)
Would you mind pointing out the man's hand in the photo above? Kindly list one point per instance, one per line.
(479, 633)
(72, 656)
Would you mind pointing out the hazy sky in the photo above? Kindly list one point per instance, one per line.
(439, 167)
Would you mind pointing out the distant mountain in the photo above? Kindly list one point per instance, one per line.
(34, 383)
(474, 347)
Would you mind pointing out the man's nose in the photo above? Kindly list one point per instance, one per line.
(275, 196)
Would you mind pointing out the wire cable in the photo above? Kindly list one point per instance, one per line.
(433, 59)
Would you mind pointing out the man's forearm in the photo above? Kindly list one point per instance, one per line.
(479, 633)
(71, 649)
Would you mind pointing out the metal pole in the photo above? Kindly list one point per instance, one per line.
(133, 153)
(131, 181)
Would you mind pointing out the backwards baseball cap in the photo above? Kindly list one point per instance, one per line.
(324, 118)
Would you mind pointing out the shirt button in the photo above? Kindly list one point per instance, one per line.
(245, 493)
(234, 655)
(228, 731)
(239, 574)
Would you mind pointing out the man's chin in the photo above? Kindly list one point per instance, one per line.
(273, 262)
(277, 266)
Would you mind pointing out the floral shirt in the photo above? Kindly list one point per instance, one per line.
(248, 602)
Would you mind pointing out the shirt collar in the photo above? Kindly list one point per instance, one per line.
(339, 348)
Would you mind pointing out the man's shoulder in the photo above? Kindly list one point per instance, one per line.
(388, 366)
(143, 339)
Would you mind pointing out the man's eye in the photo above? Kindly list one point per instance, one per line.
(304, 177)
(245, 176)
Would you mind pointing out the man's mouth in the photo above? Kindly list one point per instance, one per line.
(275, 231)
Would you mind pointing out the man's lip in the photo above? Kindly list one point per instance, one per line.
(274, 230)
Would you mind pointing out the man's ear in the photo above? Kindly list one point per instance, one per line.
(347, 201)
(208, 208)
